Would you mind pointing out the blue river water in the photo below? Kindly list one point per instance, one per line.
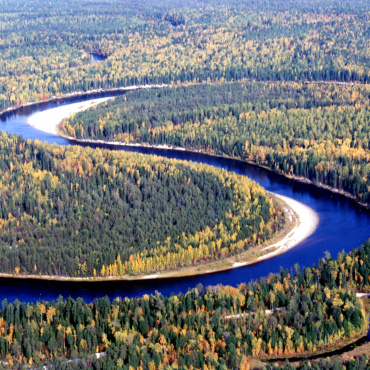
(343, 226)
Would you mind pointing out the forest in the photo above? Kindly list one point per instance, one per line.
(316, 131)
(216, 327)
(282, 84)
(76, 211)
(45, 46)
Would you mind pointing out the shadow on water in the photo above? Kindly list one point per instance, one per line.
(343, 225)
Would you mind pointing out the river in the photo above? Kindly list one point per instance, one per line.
(343, 225)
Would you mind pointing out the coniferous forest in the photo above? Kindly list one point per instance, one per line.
(83, 212)
(45, 46)
(281, 84)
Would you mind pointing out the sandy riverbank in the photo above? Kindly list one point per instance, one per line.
(49, 119)
(77, 94)
(306, 223)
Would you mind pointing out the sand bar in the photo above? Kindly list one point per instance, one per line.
(306, 223)
(49, 119)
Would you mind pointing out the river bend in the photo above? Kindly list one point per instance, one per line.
(343, 225)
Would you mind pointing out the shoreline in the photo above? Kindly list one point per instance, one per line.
(306, 223)
(300, 179)
(324, 351)
(302, 219)
(48, 120)
(77, 94)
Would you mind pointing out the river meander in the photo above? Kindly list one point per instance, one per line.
(343, 225)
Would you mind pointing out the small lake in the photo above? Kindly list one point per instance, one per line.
(95, 57)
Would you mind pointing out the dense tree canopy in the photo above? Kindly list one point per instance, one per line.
(79, 211)
(272, 82)
(45, 46)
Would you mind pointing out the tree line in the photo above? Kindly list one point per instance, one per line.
(360, 363)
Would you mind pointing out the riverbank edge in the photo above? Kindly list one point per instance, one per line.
(281, 243)
(300, 179)
(78, 94)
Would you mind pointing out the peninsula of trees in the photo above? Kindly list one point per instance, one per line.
(76, 211)
(283, 84)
